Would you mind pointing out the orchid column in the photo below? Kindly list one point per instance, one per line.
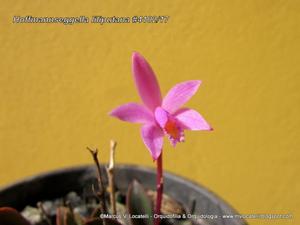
(160, 117)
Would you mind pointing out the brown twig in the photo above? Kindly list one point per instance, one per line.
(101, 193)
(44, 213)
(110, 174)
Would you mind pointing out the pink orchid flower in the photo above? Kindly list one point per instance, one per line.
(160, 117)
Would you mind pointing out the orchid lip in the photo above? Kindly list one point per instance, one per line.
(170, 126)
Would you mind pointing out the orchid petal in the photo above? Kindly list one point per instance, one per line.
(161, 116)
(191, 120)
(146, 82)
(179, 95)
(133, 113)
(153, 139)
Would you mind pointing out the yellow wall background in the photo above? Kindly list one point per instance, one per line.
(57, 84)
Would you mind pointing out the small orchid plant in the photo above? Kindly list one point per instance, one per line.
(160, 116)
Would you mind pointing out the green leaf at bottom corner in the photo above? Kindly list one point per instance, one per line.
(139, 205)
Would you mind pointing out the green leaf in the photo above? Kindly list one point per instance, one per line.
(10, 216)
(138, 204)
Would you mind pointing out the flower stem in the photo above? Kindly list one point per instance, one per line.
(159, 188)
